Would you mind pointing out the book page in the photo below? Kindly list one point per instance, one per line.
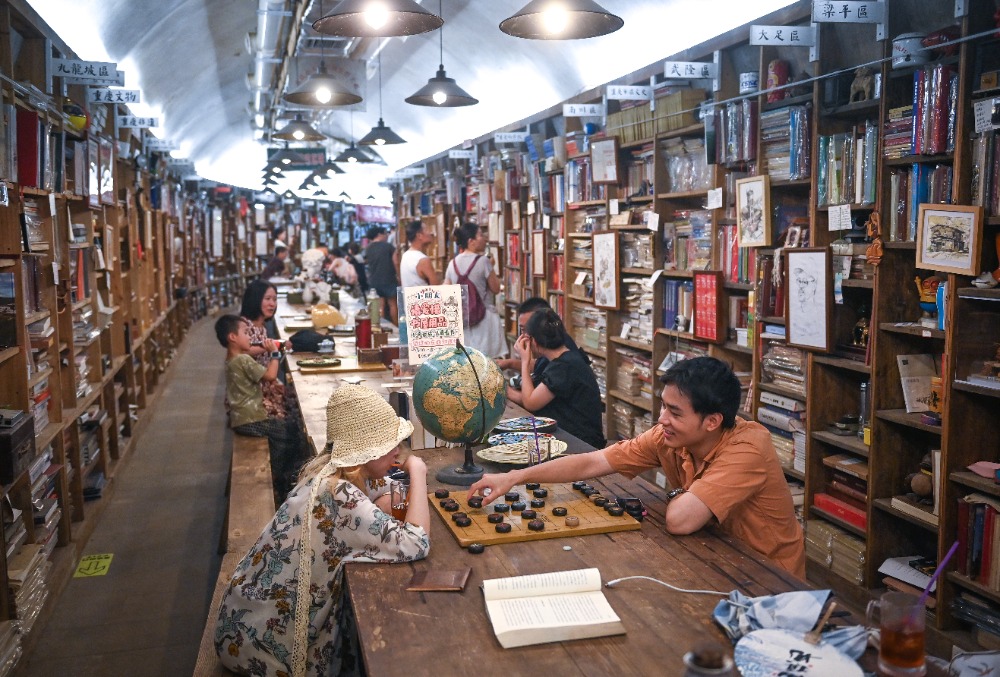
(553, 583)
(554, 618)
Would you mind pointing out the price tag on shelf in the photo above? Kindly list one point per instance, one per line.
(983, 111)
(55, 273)
(626, 330)
(655, 276)
(839, 217)
(652, 220)
(925, 333)
(52, 209)
(580, 278)
(546, 221)
(531, 207)
(714, 199)
(613, 206)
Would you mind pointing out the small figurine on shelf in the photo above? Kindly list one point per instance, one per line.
(863, 85)
(927, 288)
(777, 76)
(988, 280)
(920, 484)
(859, 335)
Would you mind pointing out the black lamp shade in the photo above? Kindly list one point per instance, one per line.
(561, 20)
(299, 130)
(441, 91)
(377, 18)
(352, 154)
(321, 90)
(381, 135)
(329, 169)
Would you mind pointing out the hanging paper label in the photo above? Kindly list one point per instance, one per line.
(136, 122)
(531, 207)
(509, 137)
(84, 70)
(655, 276)
(794, 36)
(164, 145)
(652, 220)
(847, 11)
(613, 206)
(689, 70)
(714, 199)
(984, 114)
(462, 154)
(839, 217)
(580, 278)
(626, 330)
(629, 92)
(106, 95)
(546, 221)
(583, 110)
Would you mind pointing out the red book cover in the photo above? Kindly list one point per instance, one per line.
(27, 148)
(962, 527)
(839, 508)
(984, 565)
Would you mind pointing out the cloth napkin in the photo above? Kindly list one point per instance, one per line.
(793, 611)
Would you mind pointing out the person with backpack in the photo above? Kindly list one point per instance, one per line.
(474, 269)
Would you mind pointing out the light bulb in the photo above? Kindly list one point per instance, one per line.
(439, 97)
(298, 134)
(352, 159)
(323, 94)
(276, 170)
(376, 15)
(555, 19)
(379, 142)
(286, 161)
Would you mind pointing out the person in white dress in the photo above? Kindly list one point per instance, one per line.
(284, 611)
(473, 263)
(415, 267)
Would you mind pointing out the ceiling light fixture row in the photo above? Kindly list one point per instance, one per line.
(441, 90)
(538, 20)
(381, 134)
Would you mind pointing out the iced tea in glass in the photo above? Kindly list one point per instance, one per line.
(901, 622)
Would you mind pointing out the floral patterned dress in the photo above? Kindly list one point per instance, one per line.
(254, 631)
(274, 391)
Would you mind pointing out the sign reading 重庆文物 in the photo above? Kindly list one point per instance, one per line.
(629, 92)
(847, 11)
(689, 70)
(433, 319)
(462, 154)
(583, 110)
(136, 122)
(793, 36)
(509, 137)
(112, 96)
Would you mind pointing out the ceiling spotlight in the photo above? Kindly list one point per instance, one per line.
(330, 169)
(377, 18)
(380, 135)
(288, 193)
(321, 89)
(299, 130)
(441, 90)
(561, 20)
(352, 154)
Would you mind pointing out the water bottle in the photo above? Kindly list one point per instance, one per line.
(363, 329)
(374, 307)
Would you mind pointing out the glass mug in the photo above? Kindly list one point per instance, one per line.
(901, 625)
(542, 454)
(399, 498)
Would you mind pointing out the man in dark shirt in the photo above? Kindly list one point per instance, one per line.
(382, 262)
(276, 266)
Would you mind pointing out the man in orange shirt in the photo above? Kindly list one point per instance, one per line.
(722, 469)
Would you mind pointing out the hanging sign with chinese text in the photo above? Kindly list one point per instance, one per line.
(792, 36)
(462, 154)
(690, 70)
(159, 145)
(85, 71)
(509, 137)
(136, 122)
(848, 11)
(112, 96)
(583, 110)
(629, 92)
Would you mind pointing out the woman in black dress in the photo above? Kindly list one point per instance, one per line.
(567, 390)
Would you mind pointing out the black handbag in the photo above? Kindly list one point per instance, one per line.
(308, 340)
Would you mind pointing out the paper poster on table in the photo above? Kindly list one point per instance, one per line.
(433, 319)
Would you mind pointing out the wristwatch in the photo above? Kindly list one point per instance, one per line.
(276, 355)
(674, 493)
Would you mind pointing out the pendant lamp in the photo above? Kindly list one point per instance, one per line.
(352, 153)
(344, 195)
(329, 169)
(441, 90)
(377, 18)
(286, 157)
(561, 20)
(320, 193)
(320, 89)
(380, 134)
(299, 130)
(269, 181)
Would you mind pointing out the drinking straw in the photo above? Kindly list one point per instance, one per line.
(534, 429)
(937, 572)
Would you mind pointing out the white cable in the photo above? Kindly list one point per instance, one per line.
(611, 584)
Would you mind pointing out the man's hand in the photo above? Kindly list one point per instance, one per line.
(523, 346)
(498, 485)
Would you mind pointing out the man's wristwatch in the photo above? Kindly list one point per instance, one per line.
(674, 493)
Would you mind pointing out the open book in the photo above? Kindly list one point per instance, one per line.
(549, 608)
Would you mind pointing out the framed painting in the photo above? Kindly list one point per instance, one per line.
(604, 160)
(753, 211)
(709, 320)
(607, 270)
(808, 301)
(949, 238)
(538, 253)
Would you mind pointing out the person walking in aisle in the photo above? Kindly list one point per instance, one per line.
(474, 268)
(276, 266)
(415, 267)
(284, 611)
(356, 259)
(382, 260)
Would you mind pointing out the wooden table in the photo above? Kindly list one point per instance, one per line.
(407, 632)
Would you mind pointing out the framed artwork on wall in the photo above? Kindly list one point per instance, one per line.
(538, 253)
(948, 238)
(753, 211)
(607, 270)
(604, 160)
(808, 302)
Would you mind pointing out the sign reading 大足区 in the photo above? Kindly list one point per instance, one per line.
(433, 319)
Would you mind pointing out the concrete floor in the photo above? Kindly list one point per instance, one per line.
(162, 524)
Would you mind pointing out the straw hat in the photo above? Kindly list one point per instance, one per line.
(361, 426)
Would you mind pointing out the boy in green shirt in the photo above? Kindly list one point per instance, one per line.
(246, 400)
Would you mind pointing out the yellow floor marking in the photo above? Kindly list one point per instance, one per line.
(93, 565)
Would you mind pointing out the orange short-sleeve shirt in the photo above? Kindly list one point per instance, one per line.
(740, 481)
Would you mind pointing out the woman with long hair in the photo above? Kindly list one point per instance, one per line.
(474, 267)
(284, 611)
(260, 301)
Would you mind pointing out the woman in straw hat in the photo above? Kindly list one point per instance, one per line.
(283, 612)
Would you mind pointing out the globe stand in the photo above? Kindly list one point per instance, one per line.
(463, 476)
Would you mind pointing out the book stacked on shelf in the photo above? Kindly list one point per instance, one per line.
(83, 387)
(8, 311)
(836, 549)
(911, 505)
(46, 512)
(798, 491)
(581, 251)
(978, 530)
(40, 395)
(687, 240)
(629, 421)
(935, 101)
(738, 263)
(678, 304)
(635, 373)
(782, 416)
(784, 140)
(10, 647)
(637, 314)
(846, 166)
(636, 249)
(588, 326)
(784, 366)
(841, 509)
(986, 172)
(639, 172)
(686, 167)
(15, 534)
(84, 330)
(27, 572)
(983, 615)
(33, 231)
(600, 368)
(898, 133)
(910, 573)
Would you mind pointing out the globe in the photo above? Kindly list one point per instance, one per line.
(452, 403)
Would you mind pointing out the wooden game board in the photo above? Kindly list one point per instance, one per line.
(593, 520)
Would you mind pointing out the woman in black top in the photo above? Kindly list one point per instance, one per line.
(567, 390)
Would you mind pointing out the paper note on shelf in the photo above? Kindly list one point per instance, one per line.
(899, 567)
(714, 199)
(580, 278)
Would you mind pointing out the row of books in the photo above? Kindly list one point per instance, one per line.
(637, 309)
(678, 303)
(639, 172)
(986, 172)
(579, 182)
(634, 375)
(687, 240)
(897, 133)
(588, 327)
(736, 132)
(739, 264)
(836, 549)
(629, 421)
(978, 530)
(784, 366)
(846, 166)
(909, 187)
(935, 102)
(686, 165)
(785, 140)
